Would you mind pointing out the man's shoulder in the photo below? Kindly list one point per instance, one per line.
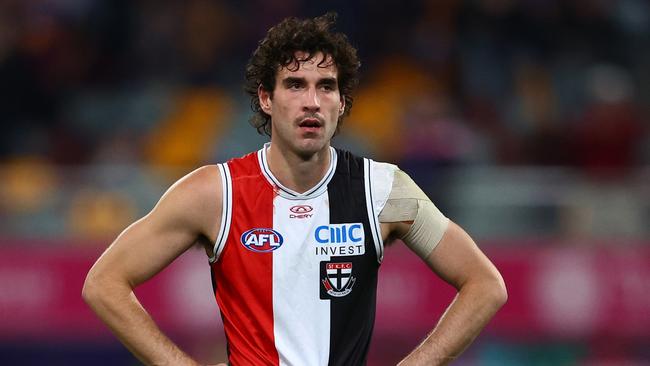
(193, 200)
(202, 180)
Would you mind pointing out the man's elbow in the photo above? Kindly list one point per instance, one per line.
(498, 291)
(91, 289)
(98, 289)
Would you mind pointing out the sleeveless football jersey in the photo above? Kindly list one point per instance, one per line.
(295, 274)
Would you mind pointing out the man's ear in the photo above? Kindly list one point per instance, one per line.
(342, 107)
(265, 99)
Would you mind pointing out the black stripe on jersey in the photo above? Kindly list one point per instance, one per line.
(353, 315)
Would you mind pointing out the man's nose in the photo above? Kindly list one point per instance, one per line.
(311, 100)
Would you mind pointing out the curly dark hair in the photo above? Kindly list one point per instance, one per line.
(278, 50)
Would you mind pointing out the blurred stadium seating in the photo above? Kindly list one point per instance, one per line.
(526, 121)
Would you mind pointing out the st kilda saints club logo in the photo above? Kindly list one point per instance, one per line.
(338, 280)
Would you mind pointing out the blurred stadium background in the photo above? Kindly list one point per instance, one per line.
(525, 120)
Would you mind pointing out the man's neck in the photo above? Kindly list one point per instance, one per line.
(295, 172)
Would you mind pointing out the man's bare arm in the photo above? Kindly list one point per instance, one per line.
(188, 211)
(450, 252)
(481, 292)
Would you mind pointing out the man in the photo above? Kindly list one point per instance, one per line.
(295, 232)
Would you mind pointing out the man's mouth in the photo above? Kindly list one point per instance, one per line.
(310, 125)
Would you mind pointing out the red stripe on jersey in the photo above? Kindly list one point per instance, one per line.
(243, 278)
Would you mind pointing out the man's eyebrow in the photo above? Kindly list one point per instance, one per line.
(328, 81)
(289, 80)
(292, 79)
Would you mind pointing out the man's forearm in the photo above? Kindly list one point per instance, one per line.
(463, 320)
(120, 310)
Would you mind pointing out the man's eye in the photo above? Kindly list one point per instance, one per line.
(328, 87)
(294, 86)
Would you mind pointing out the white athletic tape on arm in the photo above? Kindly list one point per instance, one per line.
(427, 229)
(407, 202)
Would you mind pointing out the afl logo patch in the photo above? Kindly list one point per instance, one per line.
(261, 240)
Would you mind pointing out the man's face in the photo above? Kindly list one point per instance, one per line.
(305, 106)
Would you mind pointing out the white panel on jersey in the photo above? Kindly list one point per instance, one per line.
(382, 175)
(378, 182)
(301, 319)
